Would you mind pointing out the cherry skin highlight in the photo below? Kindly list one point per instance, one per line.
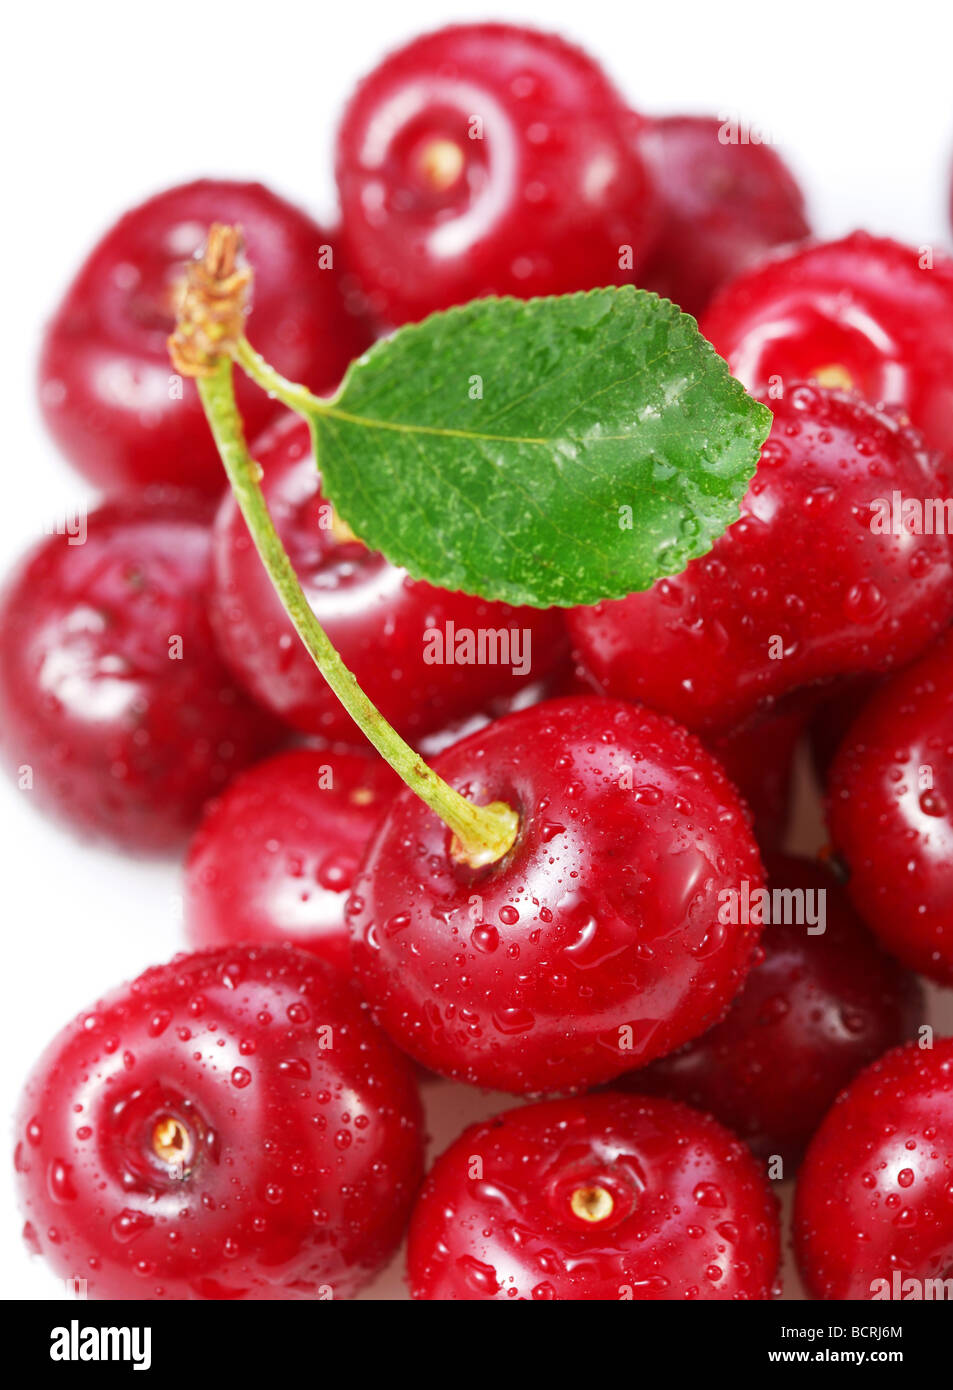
(106, 388)
(873, 1206)
(890, 811)
(113, 700)
(489, 159)
(276, 853)
(804, 587)
(813, 1012)
(603, 1197)
(593, 944)
(864, 313)
(230, 1125)
(723, 205)
(385, 625)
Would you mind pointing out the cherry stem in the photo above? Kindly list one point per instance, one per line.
(482, 834)
(171, 1142)
(591, 1203)
(296, 397)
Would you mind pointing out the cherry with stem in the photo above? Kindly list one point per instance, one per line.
(209, 335)
(567, 931)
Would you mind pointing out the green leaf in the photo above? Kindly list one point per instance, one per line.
(546, 452)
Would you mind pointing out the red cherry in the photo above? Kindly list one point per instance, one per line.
(112, 699)
(864, 312)
(593, 945)
(276, 854)
(230, 1125)
(488, 159)
(382, 622)
(813, 1012)
(605, 1197)
(890, 809)
(759, 759)
(874, 1204)
(106, 388)
(832, 719)
(723, 205)
(803, 588)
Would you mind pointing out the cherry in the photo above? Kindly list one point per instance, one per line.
(759, 760)
(803, 588)
(593, 945)
(864, 312)
(230, 1125)
(381, 621)
(603, 1197)
(832, 719)
(814, 1012)
(874, 1203)
(488, 159)
(105, 385)
(723, 205)
(890, 808)
(276, 854)
(115, 710)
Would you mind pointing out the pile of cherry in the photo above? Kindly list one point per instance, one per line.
(244, 1122)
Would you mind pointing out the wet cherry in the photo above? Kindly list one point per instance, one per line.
(865, 313)
(811, 583)
(758, 757)
(874, 1204)
(116, 714)
(386, 626)
(276, 853)
(593, 945)
(230, 1125)
(815, 1011)
(890, 810)
(106, 387)
(610, 1197)
(488, 159)
(723, 204)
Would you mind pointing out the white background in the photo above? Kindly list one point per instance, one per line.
(105, 103)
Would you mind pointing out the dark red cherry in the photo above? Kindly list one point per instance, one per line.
(107, 390)
(230, 1125)
(387, 627)
(759, 759)
(807, 585)
(593, 944)
(817, 1009)
(609, 1197)
(831, 720)
(873, 1214)
(116, 713)
(890, 810)
(865, 313)
(724, 202)
(489, 159)
(276, 853)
